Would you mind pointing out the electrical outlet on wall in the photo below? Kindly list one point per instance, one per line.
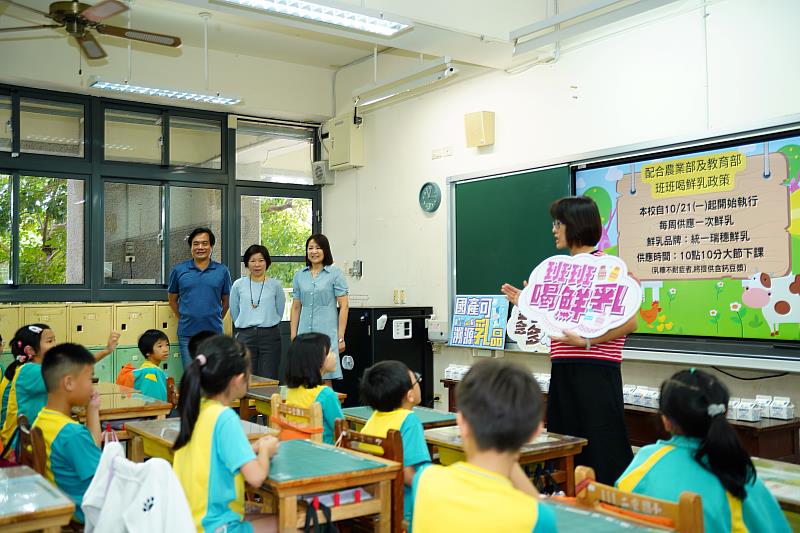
(402, 296)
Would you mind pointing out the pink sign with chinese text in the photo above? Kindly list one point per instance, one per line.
(587, 294)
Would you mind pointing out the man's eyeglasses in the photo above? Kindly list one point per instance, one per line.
(419, 378)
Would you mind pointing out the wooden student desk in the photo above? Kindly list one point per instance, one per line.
(31, 503)
(783, 481)
(304, 467)
(561, 448)
(105, 387)
(154, 438)
(769, 438)
(430, 418)
(264, 386)
(126, 406)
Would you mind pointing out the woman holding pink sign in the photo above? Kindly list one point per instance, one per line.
(585, 396)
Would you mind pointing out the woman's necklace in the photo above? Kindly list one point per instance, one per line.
(256, 304)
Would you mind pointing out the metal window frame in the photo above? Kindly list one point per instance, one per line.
(278, 190)
(63, 291)
(95, 171)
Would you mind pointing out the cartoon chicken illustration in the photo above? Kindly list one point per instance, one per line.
(650, 315)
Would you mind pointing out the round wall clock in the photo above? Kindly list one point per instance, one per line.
(430, 197)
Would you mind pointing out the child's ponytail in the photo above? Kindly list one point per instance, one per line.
(696, 402)
(218, 360)
(26, 336)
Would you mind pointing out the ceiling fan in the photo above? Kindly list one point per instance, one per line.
(78, 18)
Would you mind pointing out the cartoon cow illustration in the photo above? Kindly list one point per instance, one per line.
(778, 298)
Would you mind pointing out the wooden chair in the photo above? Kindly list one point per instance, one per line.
(392, 446)
(686, 516)
(32, 451)
(172, 392)
(310, 427)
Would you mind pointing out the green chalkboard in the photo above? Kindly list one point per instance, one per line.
(503, 227)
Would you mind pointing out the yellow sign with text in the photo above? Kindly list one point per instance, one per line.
(694, 175)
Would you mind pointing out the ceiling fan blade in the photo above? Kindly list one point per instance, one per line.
(103, 10)
(138, 35)
(23, 6)
(91, 48)
(37, 27)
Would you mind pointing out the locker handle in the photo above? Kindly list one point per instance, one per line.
(79, 328)
(124, 326)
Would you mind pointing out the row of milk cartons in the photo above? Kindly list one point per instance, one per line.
(746, 409)
(457, 373)
(762, 406)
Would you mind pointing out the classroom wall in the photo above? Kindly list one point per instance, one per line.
(637, 81)
(268, 87)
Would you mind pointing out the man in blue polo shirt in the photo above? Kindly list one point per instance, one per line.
(198, 291)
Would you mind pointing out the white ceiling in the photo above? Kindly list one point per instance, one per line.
(469, 31)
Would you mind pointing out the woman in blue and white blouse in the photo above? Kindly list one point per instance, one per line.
(257, 303)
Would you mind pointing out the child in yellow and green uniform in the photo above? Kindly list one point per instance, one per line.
(392, 390)
(500, 408)
(72, 449)
(213, 457)
(149, 378)
(310, 357)
(703, 456)
(25, 392)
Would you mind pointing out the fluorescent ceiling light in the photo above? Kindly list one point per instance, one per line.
(586, 18)
(416, 80)
(164, 93)
(348, 17)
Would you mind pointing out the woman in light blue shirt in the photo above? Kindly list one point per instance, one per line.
(257, 303)
(317, 290)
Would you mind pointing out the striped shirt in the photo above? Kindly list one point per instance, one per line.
(609, 352)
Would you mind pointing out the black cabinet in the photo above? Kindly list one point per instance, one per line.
(386, 333)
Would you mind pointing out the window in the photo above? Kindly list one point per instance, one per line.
(282, 224)
(189, 208)
(134, 137)
(5, 228)
(195, 142)
(54, 128)
(273, 153)
(51, 236)
(5, 123)
(133, 251)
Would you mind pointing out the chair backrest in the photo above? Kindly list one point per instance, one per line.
(172, 392)
(389, 447)
(686, 516)
(31, 446)
(305, 423)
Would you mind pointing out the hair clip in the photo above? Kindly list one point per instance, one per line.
(35, 329)
(691, 370)
(201, 359)
(716, 409)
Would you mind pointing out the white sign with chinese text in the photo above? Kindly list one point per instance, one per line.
(527, 333)
(587, 294)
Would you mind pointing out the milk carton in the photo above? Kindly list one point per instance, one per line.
(748, 411)
(636, 396)
(733, 404)
(627, 392)
(762, 404)
(650, 397)
(781, 407)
